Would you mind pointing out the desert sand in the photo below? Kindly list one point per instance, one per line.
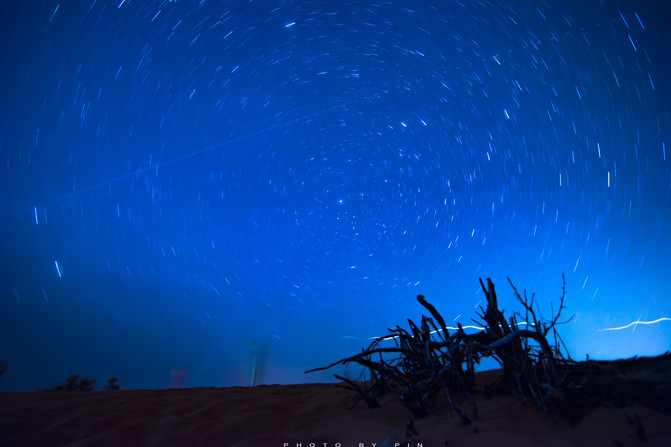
(301, 415)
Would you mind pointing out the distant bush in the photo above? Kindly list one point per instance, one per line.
(75, 383)
(4, 366)
(112, 384)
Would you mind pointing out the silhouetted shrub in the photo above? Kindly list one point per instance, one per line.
(427, 361)
(112, 384)
(4, 366)
(75, 383)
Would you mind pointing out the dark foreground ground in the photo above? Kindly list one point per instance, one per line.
(292, 415)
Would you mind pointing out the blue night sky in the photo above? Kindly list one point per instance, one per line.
(181, 178)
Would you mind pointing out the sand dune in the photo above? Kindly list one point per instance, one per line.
(298, 415)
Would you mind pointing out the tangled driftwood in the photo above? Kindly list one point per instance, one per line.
(427, 362)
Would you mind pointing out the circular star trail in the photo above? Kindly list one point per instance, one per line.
(180, 178)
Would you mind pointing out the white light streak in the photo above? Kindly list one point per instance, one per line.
(452, 328)
(635, 323)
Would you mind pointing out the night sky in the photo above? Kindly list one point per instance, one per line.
(180, 179)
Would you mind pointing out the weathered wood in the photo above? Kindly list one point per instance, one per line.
(421, 367)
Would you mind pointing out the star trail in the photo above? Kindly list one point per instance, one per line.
(183, 179)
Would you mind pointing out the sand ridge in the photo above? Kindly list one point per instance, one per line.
(299, 416)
